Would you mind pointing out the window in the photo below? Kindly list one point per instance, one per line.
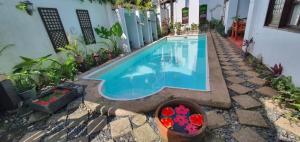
(284, 14)
(86, 26)
(54, 27)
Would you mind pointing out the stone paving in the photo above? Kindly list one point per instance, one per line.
(247, 120)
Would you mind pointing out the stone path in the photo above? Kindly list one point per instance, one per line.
(246, 121)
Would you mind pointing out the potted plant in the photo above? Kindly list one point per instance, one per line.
(113, 36)
(25, 85)
(178, 26)
(180, 120)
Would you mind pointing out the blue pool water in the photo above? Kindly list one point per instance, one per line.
(178, 62)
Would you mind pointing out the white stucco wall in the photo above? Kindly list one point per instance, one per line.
(194, 10)
(274, 45)
(29, 35)
(132, 29)
(235, 8)
(230, 12)
(243, 8)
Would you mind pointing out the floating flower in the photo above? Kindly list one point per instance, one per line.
(191, 129)
(181, 120)
(167, 111)
(181, 110)
(167, 122)
(196, 119)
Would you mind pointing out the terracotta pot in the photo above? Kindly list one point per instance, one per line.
(168, 135)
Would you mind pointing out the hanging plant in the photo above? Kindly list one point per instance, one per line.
(25, 6)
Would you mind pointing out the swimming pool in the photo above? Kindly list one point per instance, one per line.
(174, 62)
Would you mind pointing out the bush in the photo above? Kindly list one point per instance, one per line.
(289, 93)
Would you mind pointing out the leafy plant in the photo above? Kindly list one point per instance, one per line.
(178, 26)
(194, 26)
(72, 49)
(4, 47)
(23, 81)
(277, 70)
(289, 93)
(113, 35)
(247, 44)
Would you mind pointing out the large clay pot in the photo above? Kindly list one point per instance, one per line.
(168, 135)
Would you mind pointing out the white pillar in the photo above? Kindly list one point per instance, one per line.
(122, 21)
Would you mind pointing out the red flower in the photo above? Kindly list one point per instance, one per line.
(167, 122)
(181, 120)
(181, 110)
(196, 119)
(191, 129)
(167, 111)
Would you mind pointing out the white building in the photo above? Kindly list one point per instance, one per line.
(277, 39)
(215, 10)
(31, 37)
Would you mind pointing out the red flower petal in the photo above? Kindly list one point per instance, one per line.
(167, 111)
(196, 119)
(182, 110)
(167, 122)
(181, 120)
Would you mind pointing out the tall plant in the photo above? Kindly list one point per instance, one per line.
(113, 35)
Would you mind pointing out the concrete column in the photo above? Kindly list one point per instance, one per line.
(230, 12)
(121, 18)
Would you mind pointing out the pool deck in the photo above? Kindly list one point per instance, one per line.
(218, 96)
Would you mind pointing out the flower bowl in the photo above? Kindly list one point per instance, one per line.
(180, 120)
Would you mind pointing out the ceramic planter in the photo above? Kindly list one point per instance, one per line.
(169, 135)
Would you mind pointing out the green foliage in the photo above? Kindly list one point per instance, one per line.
(42, 72)
(99, 1)
(113, 35)
(21, 6)
(289, 93)
(72, 49)
(194, 26)
(4, 47)
(23, 81)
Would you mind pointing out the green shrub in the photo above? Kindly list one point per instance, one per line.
(289, 93)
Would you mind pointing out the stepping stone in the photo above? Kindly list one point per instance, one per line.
(247, 135)
(251, 118)
(139, 119)
(246, 101)
(232, 73)
(120, 127)
(226, 63)
(224, 59)
(237, 59)
(234, 79)
(256, 80)
(235, 56)
(245, 68)
(215, 120)
(34, 136)
(62, 134)
(96, 125)
(251, 74)
(228, 67)
(80, 139)
(241, 63)
(239, 89)
(145, 134)
(288, 126)
(223, 56)
(267, 91)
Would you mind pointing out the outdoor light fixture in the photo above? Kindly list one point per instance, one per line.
(29, 7)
